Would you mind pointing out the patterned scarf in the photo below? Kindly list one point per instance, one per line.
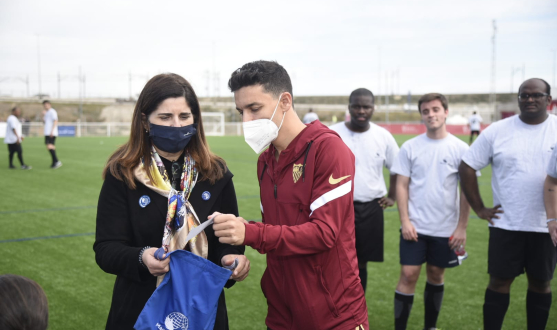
(180, 216)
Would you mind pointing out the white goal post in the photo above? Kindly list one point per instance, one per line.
(213, 123)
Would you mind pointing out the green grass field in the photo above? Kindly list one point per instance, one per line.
(57, 209)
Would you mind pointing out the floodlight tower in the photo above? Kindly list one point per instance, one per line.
(493, 95)
(39, 64)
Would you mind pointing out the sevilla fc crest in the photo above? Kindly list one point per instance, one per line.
(297, 172)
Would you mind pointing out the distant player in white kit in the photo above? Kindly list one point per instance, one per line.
(518, 149)
(14, 138)
(374, 148)
(51, 132)
(433, 214)
(310, 116)
(475, 121)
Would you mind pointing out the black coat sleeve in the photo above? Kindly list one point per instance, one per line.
(229, 205)
(114, 249)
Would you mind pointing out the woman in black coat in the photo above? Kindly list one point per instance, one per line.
(166, 159)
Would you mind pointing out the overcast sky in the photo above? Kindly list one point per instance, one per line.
(328, 47)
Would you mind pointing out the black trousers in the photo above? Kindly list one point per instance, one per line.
(15, 148)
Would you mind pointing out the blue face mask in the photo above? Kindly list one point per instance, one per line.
(171, 139)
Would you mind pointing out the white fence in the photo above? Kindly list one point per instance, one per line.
(213, 123)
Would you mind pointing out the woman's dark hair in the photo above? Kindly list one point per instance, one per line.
(23, 304)
(123, 161)
(432, 97)
(271, 75)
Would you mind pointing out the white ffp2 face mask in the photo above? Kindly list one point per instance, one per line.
(260, 133)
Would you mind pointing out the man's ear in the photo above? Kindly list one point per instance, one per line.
(286, 101)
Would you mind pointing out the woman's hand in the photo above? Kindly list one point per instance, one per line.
(156, 267)
(242, 270)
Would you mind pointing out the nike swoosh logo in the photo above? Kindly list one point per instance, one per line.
(188, 133)
(335, 181)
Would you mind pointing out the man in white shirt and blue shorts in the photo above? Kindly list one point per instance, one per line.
(51, 132)
(433, 213)
(374, 148)
(518, 149)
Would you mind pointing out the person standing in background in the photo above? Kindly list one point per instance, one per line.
(310, 116)
(433, 214)
(374, 148)
(51, 132)
(475, 121)
(518, 149)
(14, 138)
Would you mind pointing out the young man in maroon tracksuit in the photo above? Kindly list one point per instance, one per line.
(306, 183)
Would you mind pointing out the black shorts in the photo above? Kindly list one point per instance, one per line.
(513, 252)
(472, 133)
(49, 140)
(369, 223)
(14, 147)
(433, 250)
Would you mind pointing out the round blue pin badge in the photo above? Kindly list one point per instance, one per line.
(206, 195)
(144, 201)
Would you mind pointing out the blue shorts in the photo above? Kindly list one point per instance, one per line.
(433, 250)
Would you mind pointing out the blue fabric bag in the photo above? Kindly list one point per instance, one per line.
(187, 297)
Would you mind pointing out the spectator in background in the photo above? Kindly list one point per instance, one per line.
(14, 138)
(518, 149)
(374, 148)
(23, 304)
(310, 116)
(51, 132)
(433, 214)
(475, 121)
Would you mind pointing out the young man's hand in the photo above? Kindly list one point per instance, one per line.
(409, 232)
(490, 214)
(386, 202)
(229, 228)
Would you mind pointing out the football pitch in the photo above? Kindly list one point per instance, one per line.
(47, 225)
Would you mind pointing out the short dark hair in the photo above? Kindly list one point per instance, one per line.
(361, 92)
(269, 74)
(23, 305)
(547, 86)
(432, 97)
(15, 108)
(46, 101)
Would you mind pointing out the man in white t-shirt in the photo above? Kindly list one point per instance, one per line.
(475, 121)
(310, 116)
(14, 138)
(374, 148)
(51, 132)
(550, 196)
(518, 149)
(433, 213)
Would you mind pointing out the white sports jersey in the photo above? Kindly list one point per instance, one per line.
(433, 196)
(374, 149)
(11, 124)
(310, 117)
(552, 164)
(49, 118)
(475, 121)
(518, 154)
